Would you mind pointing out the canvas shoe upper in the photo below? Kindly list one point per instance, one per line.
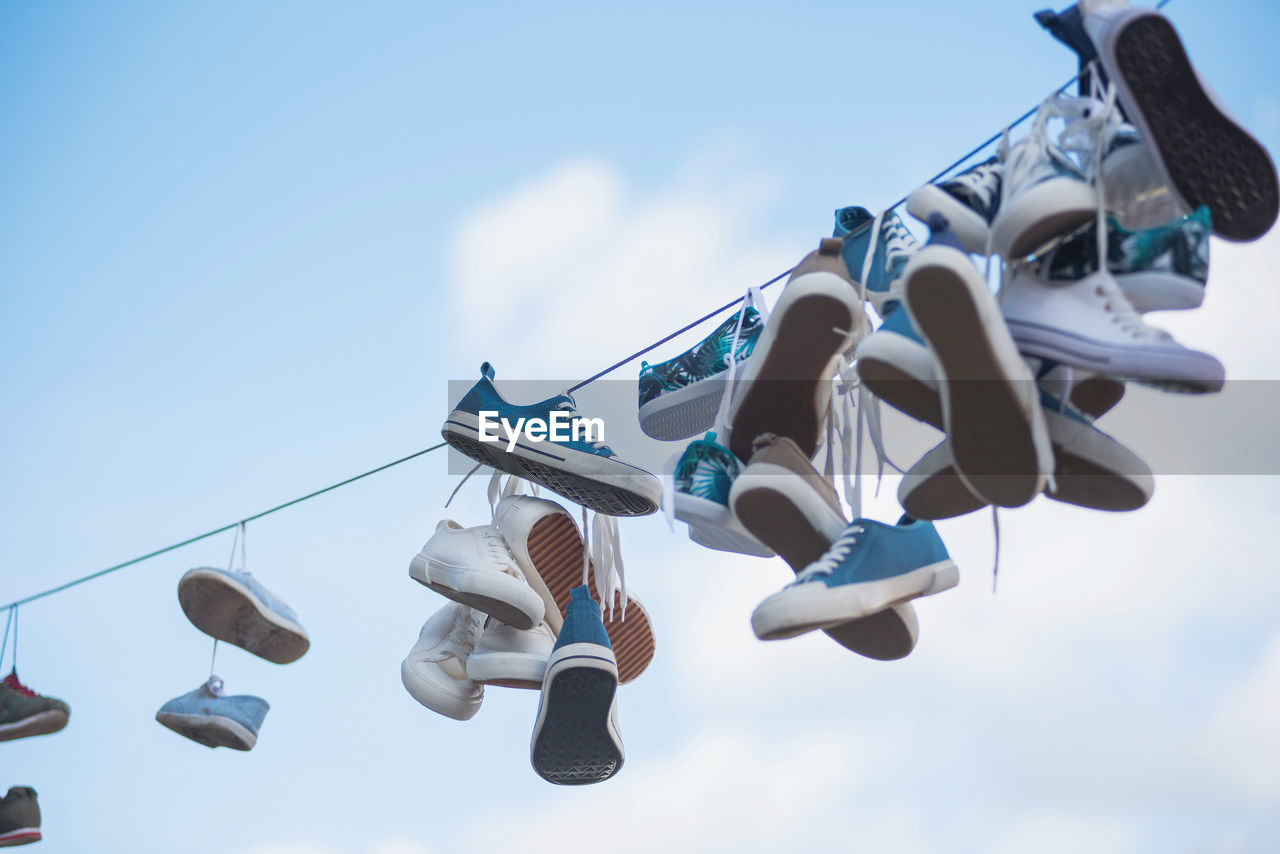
(990, 405)
(25, 713)
(511, 657)
(19, 817)
(1158, 269)
(784, 388)
(1089, 323)
(678, 398)
(1044, 193)
(875, 251)
(548, 546)
(435, 670)
(234, 607)
(969, 201)
(1203, 153)
(575, 737)
(702, 479)
(208, 716)
(585, 471)
(784, 502)
(1091, 469)
(870, 567)
(475, 567)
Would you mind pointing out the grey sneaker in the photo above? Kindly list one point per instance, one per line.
(23, 712)
(207, 716)
(19, 817)
(234, 607)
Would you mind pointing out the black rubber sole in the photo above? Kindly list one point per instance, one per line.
(1208, 158)
(573, 746)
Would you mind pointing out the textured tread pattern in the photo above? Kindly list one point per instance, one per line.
(573, 746)
(226, 613)
(555, 547)
(685, 420)
(1210, 159)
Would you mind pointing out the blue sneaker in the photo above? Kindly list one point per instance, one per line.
(232, 606)
(207, 716)
(896, 366)
(678, 398)
(968, 200)
(576, 739)
(705, 472)
(871, 567)
(891, 245)
(578, 466)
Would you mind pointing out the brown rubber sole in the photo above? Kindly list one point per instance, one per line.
(555, 548)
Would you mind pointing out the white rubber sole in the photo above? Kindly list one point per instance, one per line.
(493, 592)
(575, 737)
(225, 609)
(1156, 291)
(714, 526)
(969, 227)
(20, 836)
(901, 372)
(210, 730)
(440, 693)
(685, 412)
(797, 610)
(41, 723)
(1040, 214)
(604, 484)
(507, 669)
(990, 405)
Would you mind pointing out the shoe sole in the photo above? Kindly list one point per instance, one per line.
(684, 412)
(629, 492)
(438, 695)
(713, 526)
(969, 226)
(1040, 214)
(20, 836)
(991, 431)
(499, 595)
(775, 518)
(225, 609)
(1161, 291)
(797, 610)
(1203, 154)
(932, 490)
(882, 368)
(507, 670)
(815, 324)
(574, 740)
(41, 723)
(555, 550)
(210, 730)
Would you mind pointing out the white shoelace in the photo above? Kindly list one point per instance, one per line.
(602, 546)
(838, 551)
(978, 181)
(568, 405)
(215, 686)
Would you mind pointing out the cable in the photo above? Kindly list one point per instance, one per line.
(100, 573)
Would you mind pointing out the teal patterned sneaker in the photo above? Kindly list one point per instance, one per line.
(876, 250)
(208, 716)
(1158, 269)
(678, 398)
(25, 713)
(969, 201)
(869, 568)
(1091, 470)
(1044, 194)
(576, 738)
(566, 455)
(703, 476)
(19, 817)
(233, 606)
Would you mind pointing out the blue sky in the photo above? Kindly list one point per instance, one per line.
(243, 249)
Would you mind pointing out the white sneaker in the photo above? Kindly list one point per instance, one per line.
(435, 671)
(1088, 323)
(473, 566)
(512, 658)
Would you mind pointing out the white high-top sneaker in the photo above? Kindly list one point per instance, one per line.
(1088, 323)
(511, 657)
(435, 671)
(473, 566)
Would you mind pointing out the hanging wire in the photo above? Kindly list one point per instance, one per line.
(213, 659)
(4, 644)
(100, 573)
